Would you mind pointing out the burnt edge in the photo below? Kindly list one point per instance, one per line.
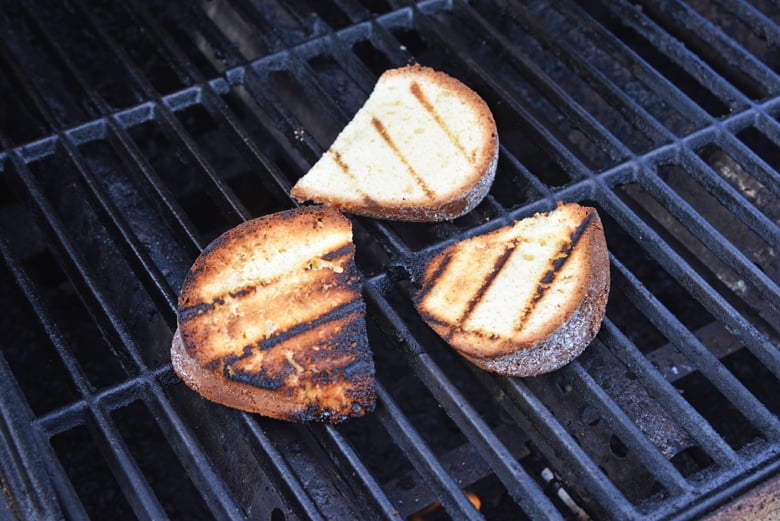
(557, 263)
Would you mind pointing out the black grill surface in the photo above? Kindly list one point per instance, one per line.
(133, 133)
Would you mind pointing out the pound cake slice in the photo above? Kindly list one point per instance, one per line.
(423, 147)
(271, 320)
(525, 299)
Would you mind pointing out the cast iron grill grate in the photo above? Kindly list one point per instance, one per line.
(133, 134)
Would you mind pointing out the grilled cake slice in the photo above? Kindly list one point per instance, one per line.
(525, 299)
(423, 147)
(271, 320)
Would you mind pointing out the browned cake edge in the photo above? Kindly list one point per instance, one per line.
(570, 332)
(444, 208)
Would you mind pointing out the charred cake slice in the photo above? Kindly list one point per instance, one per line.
(423, 147)
(525, 299)
(271, 320)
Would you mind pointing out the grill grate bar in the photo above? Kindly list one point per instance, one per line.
(223, 194)
(751, 161)
(68, 416)
(374, 494)
(228, 198)
(677, 52)
(61, 420)
(649, 76)
(611, 93)
(93, 409)
(77, 269)
(124, 145)
(711, 238)
(628, 432)
(731, 198)
(753, 18)
(132, 481)
(75, 372)
(190, 452)
(83, 278)
(715, 304)
(118, 131)
(568, 106)
(31, 92)
(286, 478)
(24, 476)
(668, 396)
(688, 344)
(156, 284)
(602, 490)
(518, 483)
(420, 455)
(719, 41)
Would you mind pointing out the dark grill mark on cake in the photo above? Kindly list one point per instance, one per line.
(200, 308)
(339, 252)
(350, 311)
(434, 276)
(428, 106)
(345, 168)
(380, 128)
(557, 263)
(498, 265)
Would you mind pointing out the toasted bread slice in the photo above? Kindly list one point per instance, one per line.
(423, 147)
(271, 320)
(524, 299)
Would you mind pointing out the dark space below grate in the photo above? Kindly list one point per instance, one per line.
(133, 134)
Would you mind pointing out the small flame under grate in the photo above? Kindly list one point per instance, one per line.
(134, 133)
